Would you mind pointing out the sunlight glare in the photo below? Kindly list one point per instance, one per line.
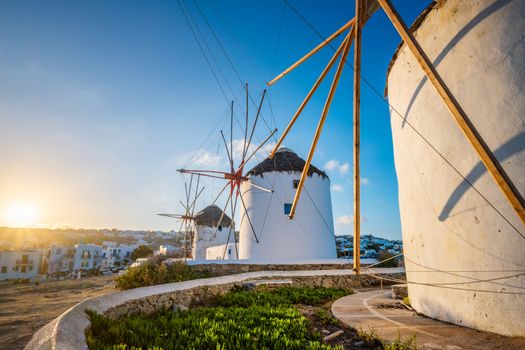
(20, 215)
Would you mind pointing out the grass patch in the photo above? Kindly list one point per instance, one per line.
(240, 319)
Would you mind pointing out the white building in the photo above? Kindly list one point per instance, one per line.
(87, 257)
(20, 263)
(115, 254)
(60, 260)
(166, 249)
(458, 219)
(210, 232)
(309, 235)
(222, 252)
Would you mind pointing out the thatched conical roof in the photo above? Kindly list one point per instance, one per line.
(210, 217)
(285, 160)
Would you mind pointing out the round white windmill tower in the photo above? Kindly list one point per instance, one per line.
(210, 231)
(266, 231)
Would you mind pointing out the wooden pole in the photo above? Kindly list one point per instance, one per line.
(487, 157)
(311, 53)
(245, 125)
(326, 107)
(357, 136)
(310, 94)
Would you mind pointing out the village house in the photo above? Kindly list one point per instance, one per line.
(87, 257)
(25, 264)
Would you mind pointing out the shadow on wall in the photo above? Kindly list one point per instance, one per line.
(467, 237)
(455, 40)
(513, 146)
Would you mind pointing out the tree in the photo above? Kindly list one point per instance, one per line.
(141, 252)
(386, 255)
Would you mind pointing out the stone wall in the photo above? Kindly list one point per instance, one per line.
(202, 294)
(235, 268)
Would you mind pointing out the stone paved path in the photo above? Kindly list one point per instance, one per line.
(361, 311)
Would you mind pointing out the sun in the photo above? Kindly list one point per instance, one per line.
(20, 215)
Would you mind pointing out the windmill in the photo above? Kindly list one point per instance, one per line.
(188, 218)
(236, 174)
(364, 9)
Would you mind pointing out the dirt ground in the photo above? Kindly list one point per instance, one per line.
(26, 308)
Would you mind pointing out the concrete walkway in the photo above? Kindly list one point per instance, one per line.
(367, 311)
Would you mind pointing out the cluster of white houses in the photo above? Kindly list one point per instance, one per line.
(62, 260)
(370, 246)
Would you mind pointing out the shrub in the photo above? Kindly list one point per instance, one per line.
(390, 263)
(154, 272)
(313, 296)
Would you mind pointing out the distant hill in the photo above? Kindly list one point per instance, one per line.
(21, 238)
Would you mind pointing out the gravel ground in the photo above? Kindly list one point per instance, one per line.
(26, 308)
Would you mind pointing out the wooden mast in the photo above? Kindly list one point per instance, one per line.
(356, 126)
(481, 148)
(320, 125)
(307, 98)
(312, 52)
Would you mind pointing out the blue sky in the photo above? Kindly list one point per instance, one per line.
(101, 102)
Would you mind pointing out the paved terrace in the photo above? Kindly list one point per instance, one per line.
(367, 311)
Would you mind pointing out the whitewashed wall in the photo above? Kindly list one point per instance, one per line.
(209, 237)
(451, 235)
(11, 262)
(222, 252)
(310, 235)
(92, 259)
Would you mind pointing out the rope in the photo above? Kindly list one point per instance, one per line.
(391, 279)
(278, 41)
(382, 261)
(235, 38)
(202, 49)
(219, 42)
(444, 284)
(221, 46)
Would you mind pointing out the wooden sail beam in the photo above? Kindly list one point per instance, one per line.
(248, 217)
(245, 124)
(245, 151)
(359, 16)
(174, 216)
(309, 95)
(222, 214)
(487, 157)
(199, 171)
(311, 53)
(257, 149)
(326, 107)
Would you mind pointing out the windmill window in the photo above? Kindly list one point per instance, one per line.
(229, 251)
(287, 208)
(4, 269)
(295, 183)
(220, 228)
